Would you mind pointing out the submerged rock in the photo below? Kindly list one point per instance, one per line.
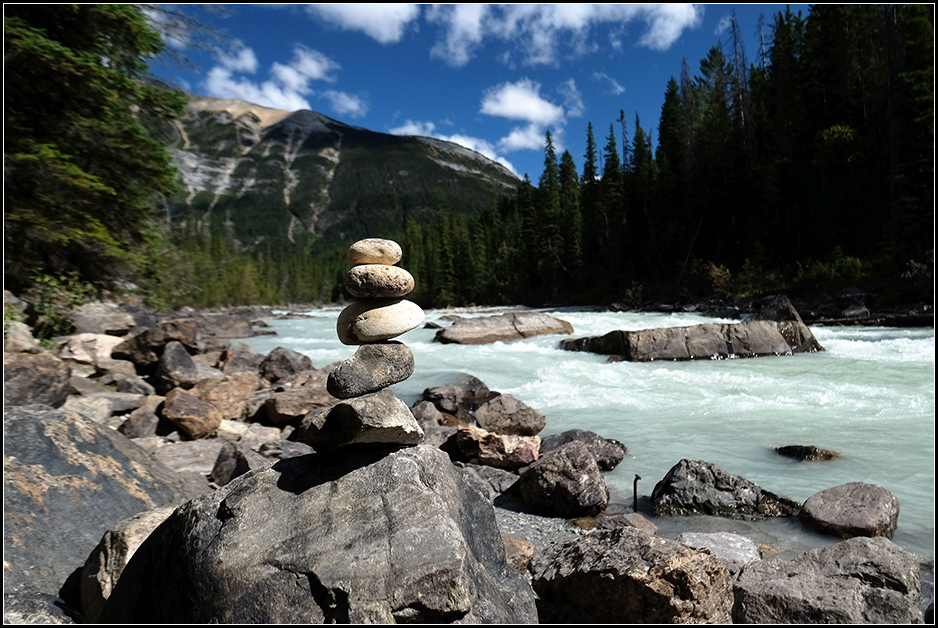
(806, 452)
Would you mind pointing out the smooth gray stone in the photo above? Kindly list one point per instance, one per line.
(373, 367)
(378, 281)
(378, 319)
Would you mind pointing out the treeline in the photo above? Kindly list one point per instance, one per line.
(812, 167)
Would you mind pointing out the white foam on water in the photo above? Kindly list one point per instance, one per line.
(870, 396)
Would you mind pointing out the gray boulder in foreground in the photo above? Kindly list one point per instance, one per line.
(776, 330)
(66, 481)
(854, 509)
(564, 482)
(858, 581)
(696, 487)
(503, 327)
(360, 535)
(628, 576)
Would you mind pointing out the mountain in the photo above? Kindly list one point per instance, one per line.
(266, 176)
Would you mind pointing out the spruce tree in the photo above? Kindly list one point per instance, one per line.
(81, 168)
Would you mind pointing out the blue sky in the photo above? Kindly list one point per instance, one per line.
(493, 78)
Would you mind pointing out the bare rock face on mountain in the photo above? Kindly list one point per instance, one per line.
(360, 536)
(332, 181)
(507, 327)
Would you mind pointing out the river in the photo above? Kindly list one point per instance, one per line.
(870, 397)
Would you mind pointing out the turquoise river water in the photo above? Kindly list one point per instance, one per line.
(870, 397)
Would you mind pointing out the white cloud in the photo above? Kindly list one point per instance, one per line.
(520, 101)
(530, 137)
(427, 129)
(346, 104)
(464, 33)
(614, 86)
(411, 127)
(220, 83)
(288, 86)
(535, 31)
(572, 99)
(384, 23)
(723, 25)
(666, 22)
(243, 59)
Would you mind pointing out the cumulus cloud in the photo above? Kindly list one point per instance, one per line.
(520, 101)
(572, 99)
(428, 129)
(384, 23)
(288, 85)
(346, 104)
(535, 32)
(614, 86)
(530, 137)
(464, 31)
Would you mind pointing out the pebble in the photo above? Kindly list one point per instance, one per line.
(375, 251)
(378, 281)
(381, 319)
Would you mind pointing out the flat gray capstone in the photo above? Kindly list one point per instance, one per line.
(373, 367)
(376, 418)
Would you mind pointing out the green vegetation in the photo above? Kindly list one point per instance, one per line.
(81, 167)
(811, 169)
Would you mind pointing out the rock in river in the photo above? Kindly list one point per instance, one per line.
(502, 328)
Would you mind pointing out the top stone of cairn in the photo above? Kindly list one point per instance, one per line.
(375, 251)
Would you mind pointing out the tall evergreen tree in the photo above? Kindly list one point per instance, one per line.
(81, 167)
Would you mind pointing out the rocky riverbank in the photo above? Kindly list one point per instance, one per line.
(178, 420)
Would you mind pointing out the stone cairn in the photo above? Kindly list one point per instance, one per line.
(371, 412)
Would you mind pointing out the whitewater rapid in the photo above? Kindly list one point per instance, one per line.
(870, 397)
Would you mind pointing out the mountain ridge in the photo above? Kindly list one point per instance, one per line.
(267, 175)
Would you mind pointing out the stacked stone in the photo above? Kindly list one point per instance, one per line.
(372, 413)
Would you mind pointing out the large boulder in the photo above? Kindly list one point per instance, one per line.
(777, 330)
(230, 395)
(18, 338)
(626, 576)
(502, 328)
(66, 482)
(854, 509)
(35, 378)
(564, 482)
(858, 581)
(607, 452)
(360, 536)
(696, 487)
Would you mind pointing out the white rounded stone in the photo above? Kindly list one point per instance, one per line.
(375, 251)
(378, 281)
(377, 319)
